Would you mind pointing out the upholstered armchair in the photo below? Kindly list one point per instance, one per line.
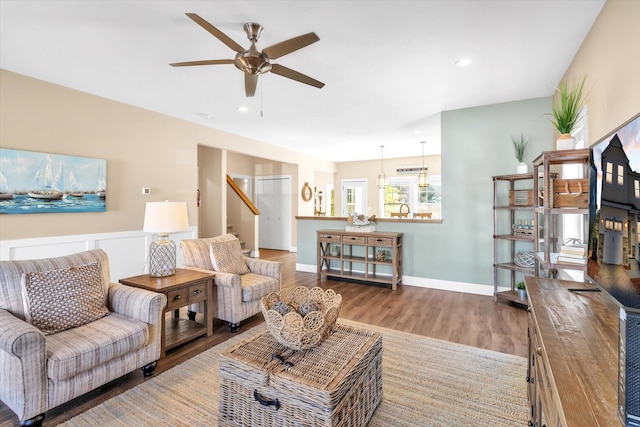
(240, 282)
(66, 330)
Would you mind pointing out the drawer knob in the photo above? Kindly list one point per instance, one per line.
(197, 291)
(177, 297)
(539, 351)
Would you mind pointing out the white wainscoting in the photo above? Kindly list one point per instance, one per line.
(127, 250)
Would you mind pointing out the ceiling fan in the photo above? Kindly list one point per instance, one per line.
(253, 62)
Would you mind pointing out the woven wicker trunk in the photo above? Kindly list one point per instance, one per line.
(338, 383)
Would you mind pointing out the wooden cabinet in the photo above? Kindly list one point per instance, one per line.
(562, 207)
(513, 232)
(368, 256)
(573, 353)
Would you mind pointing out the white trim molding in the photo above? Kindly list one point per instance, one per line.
(424, 282)
(127, 250)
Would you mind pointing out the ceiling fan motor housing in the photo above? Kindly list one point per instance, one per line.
(252, 62)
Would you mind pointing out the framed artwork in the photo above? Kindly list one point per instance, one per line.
(33, 182)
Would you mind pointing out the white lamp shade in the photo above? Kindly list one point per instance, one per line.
(165, 217)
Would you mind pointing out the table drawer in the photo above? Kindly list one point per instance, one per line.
(197, 293)
(354, 240)
(380, 241)
(329, 237)
(177, 299)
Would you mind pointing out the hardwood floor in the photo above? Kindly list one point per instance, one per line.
(452, 316)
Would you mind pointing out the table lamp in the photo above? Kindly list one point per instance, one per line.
(163, 218)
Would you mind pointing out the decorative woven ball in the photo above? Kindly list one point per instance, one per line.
(281, 308)
(307, 307)
(310, 320)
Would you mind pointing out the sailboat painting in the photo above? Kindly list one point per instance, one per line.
(33, 182)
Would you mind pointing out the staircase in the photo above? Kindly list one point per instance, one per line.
(245, 252)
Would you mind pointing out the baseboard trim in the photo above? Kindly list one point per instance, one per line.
(424, 282)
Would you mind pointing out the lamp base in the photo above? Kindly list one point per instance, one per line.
(162, 257)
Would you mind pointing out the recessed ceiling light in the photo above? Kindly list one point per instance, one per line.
(417, 131)
(206, 116)
(463, 62)
(243, 109)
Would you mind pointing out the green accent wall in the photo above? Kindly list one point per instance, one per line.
(476, 145)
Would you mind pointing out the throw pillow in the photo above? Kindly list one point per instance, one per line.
(58, 300)
(227, 257)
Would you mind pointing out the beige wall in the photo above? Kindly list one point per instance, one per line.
(142, 149)
(610, 61)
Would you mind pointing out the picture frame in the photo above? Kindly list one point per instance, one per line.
(37, 182)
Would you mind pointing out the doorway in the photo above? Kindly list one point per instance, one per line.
(273, 199)
(354, 196)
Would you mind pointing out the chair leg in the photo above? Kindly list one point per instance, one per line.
(150, 369)
(235, 327)
(33, 422)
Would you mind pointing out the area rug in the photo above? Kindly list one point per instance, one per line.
(426, 383)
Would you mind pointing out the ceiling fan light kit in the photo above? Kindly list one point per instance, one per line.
(252, 61)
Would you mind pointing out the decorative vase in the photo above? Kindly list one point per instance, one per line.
(522, 168)
(522, 293)
(566, 142)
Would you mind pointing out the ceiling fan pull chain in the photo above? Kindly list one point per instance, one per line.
(261, 95)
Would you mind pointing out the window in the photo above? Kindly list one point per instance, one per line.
(329, 200)
(614, 224)
(620, 175)
(636, 188)
(399, 196)
(617, 225)
(430, 198)
(402, 194)
(609, 173)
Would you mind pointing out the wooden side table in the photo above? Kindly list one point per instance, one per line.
(184, 288)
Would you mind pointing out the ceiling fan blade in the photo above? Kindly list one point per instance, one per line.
(294, 75)
(205, 62)
(280, 49)
(216, 32)
(250, 83)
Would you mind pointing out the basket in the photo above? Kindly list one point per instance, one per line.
(291, 328)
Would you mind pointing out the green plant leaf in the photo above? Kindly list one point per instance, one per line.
(567, 102)
(520, 146)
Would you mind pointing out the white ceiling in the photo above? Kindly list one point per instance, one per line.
(388, 66)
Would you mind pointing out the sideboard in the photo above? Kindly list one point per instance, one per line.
(573, 355)
(366, 256)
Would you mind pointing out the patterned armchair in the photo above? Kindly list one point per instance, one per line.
(240, 282)
(51, 349)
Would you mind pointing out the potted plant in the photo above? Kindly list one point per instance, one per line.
(520, 147)
(567, 102)
(522, 291)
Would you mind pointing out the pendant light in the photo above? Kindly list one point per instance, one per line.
(381, 182)
(422, 176)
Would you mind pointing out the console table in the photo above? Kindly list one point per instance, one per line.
(573, 355)
(367, 256)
